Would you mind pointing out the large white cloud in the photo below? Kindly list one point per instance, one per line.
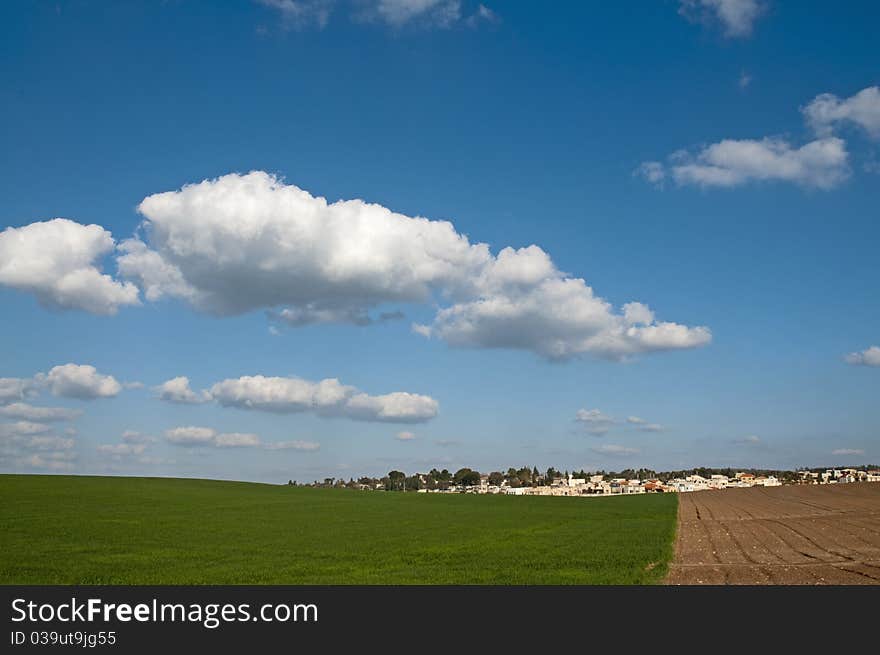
(245, 242)
(825, 111)
(326, 398)
(736, 16)
(59, 262)
(821, 164)
(31, 413)
(868, 357)
(81, 381)
(524, 302)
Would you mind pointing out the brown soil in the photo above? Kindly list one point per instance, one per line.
(806, 534)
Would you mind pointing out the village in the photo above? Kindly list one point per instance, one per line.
(597, 485)
(555, 483)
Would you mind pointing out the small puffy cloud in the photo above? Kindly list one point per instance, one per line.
(750, 440)
(176, 390)
(615, 450)
(325, 398)
(245, 242)
(868, 357)
(594, 421)
(191, 436)
(653, 171)
(306, 446)
(48, 442)
(122, 449)
(236, 440)
(405, 436)
(199, 436)
(12, 389)
(51, 461)
(32, 413)
(643, 425)
(22, 428)
(301, 13)
(737, 17)
(821, 164)
(396, 13)
(81, 381)
(58, 262)
(824, 112)
(397, 407)
(135, 437)
(745, 79)
(848, 451)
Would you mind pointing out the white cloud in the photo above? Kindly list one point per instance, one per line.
(405, 436)
(595, 422)
(653, 171)
(394, 13)
(48, 442)
(22, 428)
(821, 164)
(134, 437)
(750, 440)
(643, 425)
(191, 436)
(825, 111)
(307, 446)
(52, 461)
(236, 440)
(245, 242)
(437, 13)
(81, 381)
(58, 261)
(615, 450)
(326, 398)
(32, 413)
(868, 357)
(176, 390)
(199, 436)
(12, 389)
(301, 13)
(745, 79)
(122, 449)
(848, 451)
(737, 17)
(523, 302)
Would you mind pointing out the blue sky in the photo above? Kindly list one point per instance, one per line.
(677, 154)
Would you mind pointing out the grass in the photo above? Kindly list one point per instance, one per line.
(104, 530)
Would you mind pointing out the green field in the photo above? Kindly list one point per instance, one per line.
(103, 530)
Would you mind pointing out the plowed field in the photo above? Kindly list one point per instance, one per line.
(782, 535)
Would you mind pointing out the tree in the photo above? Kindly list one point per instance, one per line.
(495, 478)
(396, 480)
(466, 477)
